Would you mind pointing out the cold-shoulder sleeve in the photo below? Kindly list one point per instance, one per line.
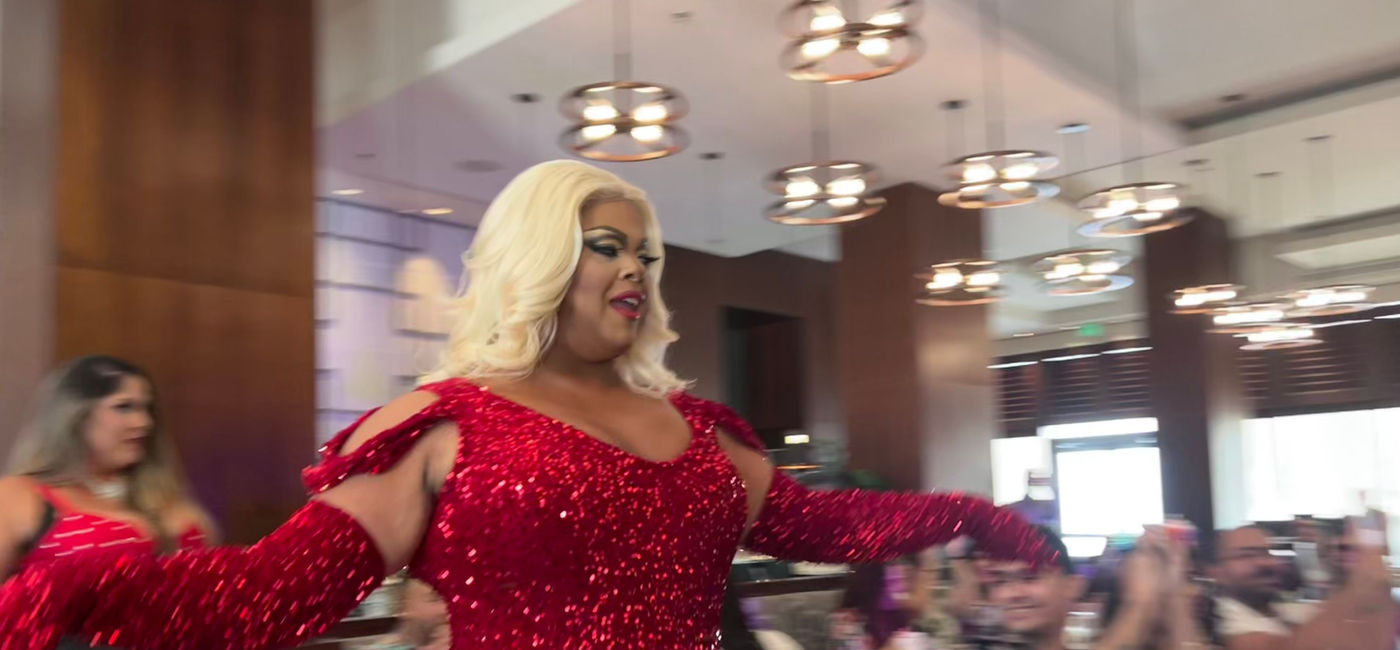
(287, 588)
(856, 526)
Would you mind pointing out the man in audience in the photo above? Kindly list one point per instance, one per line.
(1250, 613)
(1036, 605)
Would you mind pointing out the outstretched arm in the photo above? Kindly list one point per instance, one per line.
(857, 526)
(790, 521)
(291, 586)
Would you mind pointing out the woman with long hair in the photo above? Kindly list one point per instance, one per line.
(94, 471)
(553, 481)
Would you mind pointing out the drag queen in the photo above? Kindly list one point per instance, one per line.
(554, 482)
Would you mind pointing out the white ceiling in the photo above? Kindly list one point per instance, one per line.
(401, 130)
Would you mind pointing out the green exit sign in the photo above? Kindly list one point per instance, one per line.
(1091, 330)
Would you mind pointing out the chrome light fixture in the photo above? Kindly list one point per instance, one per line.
(1084, 272)
(822, 192)
(832, 42)
(1001, 177)
(1280, 337)
(1133, 208)
(1335, 299)
(1331, 300)
(1205, 298)
(960, 282)
(622, 120)
(1248, 318)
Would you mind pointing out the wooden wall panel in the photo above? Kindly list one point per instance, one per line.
(698, 287)
(1196, 389)
(185, 228)
(920, 401)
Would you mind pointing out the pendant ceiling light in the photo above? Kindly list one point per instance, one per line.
(822, 192)
(1083, 272)
(1280, 337)
(833, 42)
(1204, 298)
(1248, 317)
(960, 282)
(1336, 299)
(1133, 208)
(1331, 301)
(622, 120)
(1001, 177)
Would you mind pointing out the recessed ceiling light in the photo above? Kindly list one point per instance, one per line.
(437, 211)
(1022, 335)
(1072, 127)
(364, 155)
(478, 166)
(1233, 98)
(525, 98)
(349, 191)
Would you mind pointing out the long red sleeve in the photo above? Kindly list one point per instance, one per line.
(855, 526)
(840, 526)
(289, 587)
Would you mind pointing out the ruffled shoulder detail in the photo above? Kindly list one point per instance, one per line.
(713, 414)
(387, 448)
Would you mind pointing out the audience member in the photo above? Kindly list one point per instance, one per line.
(1037, 605)
(1250, 613)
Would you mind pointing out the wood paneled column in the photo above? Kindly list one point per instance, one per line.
(1196, 392)
(919, 398)
(184, 225)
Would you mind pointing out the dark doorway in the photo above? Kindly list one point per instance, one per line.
(764, 371)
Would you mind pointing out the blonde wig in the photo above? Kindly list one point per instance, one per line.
(519, 267)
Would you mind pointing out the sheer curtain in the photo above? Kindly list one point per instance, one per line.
(1323, 464)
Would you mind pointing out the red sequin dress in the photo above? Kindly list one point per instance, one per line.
(77, 531)
(542, 537)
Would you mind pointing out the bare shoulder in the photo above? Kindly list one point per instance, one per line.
(187, 514)
(23, 506)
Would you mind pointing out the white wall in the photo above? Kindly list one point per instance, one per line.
(382, 281)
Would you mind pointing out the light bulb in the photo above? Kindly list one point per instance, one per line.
(1103, 268)
(599, 111)
(849, 186)
(1121, 206)
(827, 18)
(874, 47)
(843, 201)
(1147, 216)
(649, 133)
(1164, 204)
(1065, 270)
(1220, 296)
(598, 131)
(984, 278)
(978, 173)
(1016, 186)
(946, 279)
(798, 205)
(800, 187)
(820, 48)
(650, 113)
(1191, 300)
(1019, 171)
(1348, 296)
(1280, 334)
(887, 18)
(1249, 316)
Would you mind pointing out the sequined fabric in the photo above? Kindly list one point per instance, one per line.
(859, 526)
(542, 537)
(292, 585)
(77, 531)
